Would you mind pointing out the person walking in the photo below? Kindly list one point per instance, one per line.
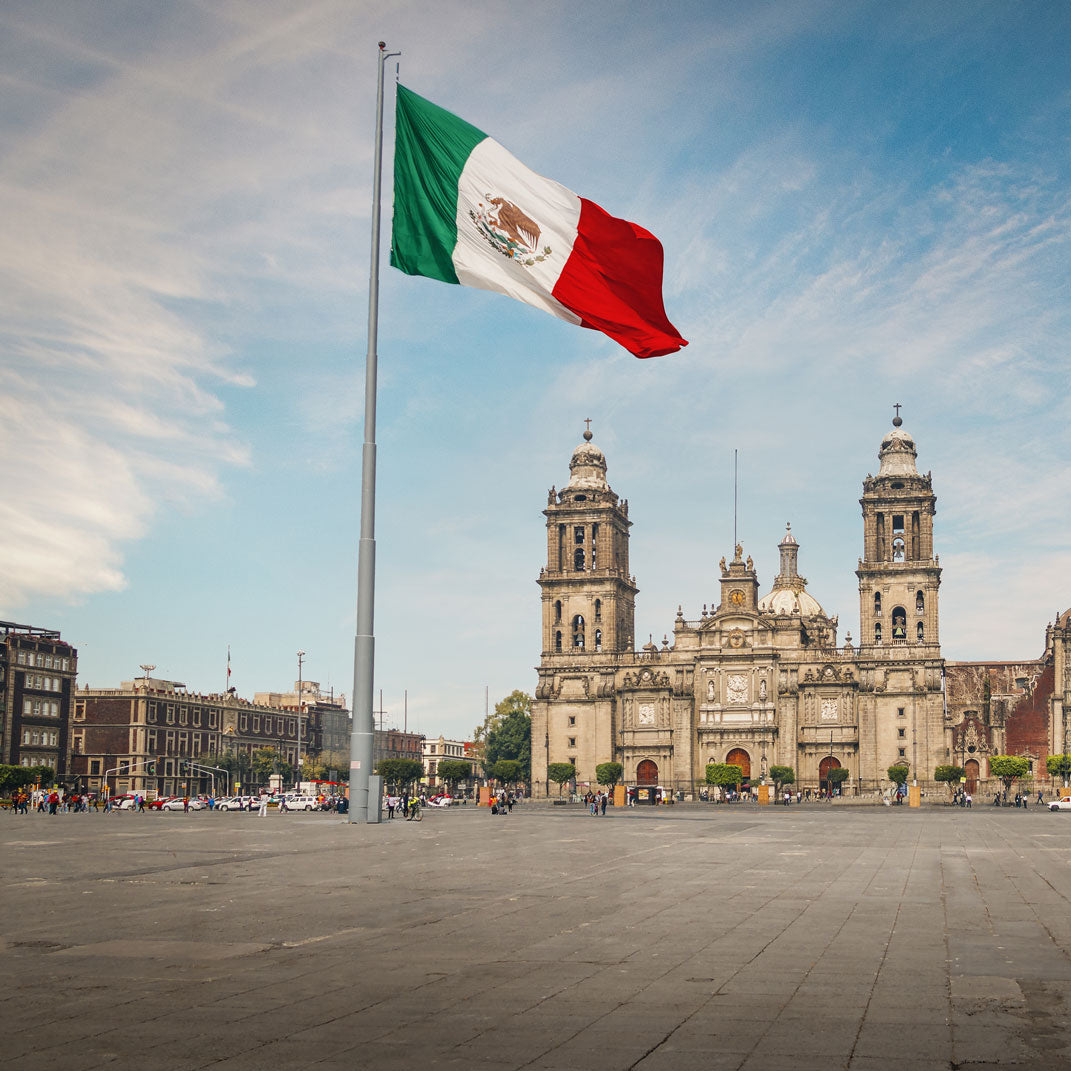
(263, 812)
(969, 799)
(1041, 799)
(603, 802)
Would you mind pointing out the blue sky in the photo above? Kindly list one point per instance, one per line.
(860, 204)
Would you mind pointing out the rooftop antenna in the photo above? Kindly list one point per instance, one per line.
(147, 669)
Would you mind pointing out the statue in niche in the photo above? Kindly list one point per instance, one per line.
(710, 691)
(762, 688)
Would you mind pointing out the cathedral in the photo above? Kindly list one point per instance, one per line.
(760, 679)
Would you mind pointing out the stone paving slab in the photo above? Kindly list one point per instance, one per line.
(671, 938)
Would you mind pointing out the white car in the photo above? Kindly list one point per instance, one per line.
(238, 803)
(177, 803)
(302, 803)
(1062, 804)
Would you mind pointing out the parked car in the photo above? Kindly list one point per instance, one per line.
(1062, 804)
(302, 803)
(178, 803)
(237, 803)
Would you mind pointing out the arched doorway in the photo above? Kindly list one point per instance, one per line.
(647, 773)
(739, 757)
(971, 770)
(830, 762)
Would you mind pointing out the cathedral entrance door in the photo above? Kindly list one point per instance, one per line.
(971, 771)
(739, 757)
(646, 781)
(827, 764)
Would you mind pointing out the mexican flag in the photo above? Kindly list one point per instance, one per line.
(467, 211)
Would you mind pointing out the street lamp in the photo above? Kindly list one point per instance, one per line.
(300, 659)
(829, 772)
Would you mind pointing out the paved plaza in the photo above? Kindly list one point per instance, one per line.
(692, 937)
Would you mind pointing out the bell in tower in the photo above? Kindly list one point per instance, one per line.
(899, 574)
(588, 594)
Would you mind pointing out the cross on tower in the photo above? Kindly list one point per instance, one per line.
(587, 421)
(897, 407)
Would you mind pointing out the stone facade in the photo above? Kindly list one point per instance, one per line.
(755, 680)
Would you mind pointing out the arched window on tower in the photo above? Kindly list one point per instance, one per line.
(578, 553)
(920, 632)
(877, 602)
(598, 639)
(557, 611)
(594, 547)
(578, 632)
(899, 623)
(558, 641)
(877, 632)
(898, 549)
(920, 602)
(598, 609)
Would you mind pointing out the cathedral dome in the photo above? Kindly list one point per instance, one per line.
(787, 601)
(897, 452)
(587, 467)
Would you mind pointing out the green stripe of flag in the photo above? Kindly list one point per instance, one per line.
(430, 149)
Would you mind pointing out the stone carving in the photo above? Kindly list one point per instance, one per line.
(829, 709)
(710, 691)
(736, 689)
(645, 714)
(762, 688)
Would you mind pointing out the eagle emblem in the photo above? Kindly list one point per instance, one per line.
(509, 230)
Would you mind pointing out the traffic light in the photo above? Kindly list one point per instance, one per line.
(150, 768)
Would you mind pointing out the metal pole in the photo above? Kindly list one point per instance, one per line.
(300, 724)
(361, 740)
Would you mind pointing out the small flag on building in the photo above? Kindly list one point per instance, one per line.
(467, 211)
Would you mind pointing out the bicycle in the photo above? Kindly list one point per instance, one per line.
(414, 814)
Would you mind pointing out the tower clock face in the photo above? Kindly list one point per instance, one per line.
(736, 597)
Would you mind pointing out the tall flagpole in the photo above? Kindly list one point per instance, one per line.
(361, 741)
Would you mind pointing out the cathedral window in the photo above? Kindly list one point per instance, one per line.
(598, 609)
(920, 602)
(557, 641)
(572, 719)
(877, 602)
(578, 534)
(900, 712)
(898, 549)
(920, 632)
(578, 560)
(901, 732)
(899, 623)
(558, 611)
(877, 632)
(578, 632)
(898, 523)
(594, 546)
(598, 639)
(903, 753)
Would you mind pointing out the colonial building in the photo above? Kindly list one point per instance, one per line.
(37, 679)
(435, 751)
(141, 736)
(758, 678)
(325, 724)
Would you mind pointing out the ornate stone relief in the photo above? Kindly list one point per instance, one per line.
(830, 709)
(736, 689)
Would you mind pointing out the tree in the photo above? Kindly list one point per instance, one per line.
(1008, 768)
(899, 774)
(609, 773)
(453, 770)
(781, 776)
(837, 777)
(507, 733)
(266, 761)
(559, 773)
(724, 774)
(952, 775)
(507, 771)
(1059, 766)
(399, 773)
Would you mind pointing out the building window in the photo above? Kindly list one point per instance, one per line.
(920, 602)
(877, 632)
(578, 632)
(903, 753)
(572, 741)
(920, 632)
(899, 623)
(901, 732)
(557, 611)
(877, 602)
(598, 609)
(557, 641)
(578, 560)
(898, 550)
(572, 720)
(899, 712)
(598, 639)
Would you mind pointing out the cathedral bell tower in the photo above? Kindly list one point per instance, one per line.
(899, 573)
(589, 597)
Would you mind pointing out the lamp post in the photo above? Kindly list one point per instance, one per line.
(829, 779)
(300, 723)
